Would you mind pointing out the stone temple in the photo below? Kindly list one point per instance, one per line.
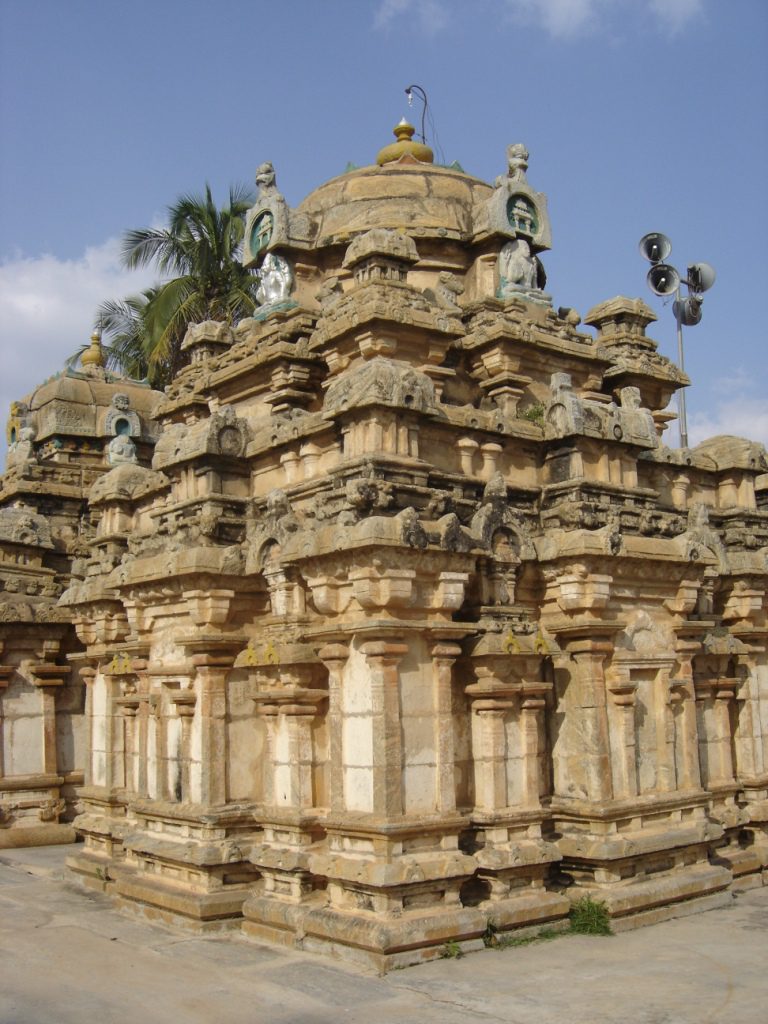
(394, 618)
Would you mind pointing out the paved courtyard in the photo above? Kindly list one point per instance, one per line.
(69, 958)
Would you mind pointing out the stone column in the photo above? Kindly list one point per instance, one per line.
(88, 674)
(212, 673)
(443, 657)
(293, 764)
(142, 729)
(589, 657)
(6, 671)
(184, 702)
(724, 694)
(467, 447)
(623, 691)
(48, 677)
(688, 735)
(383, 658)
(489, 752)
(532, 730)
(131, 719)
(157, 788)
(334, 657)
(667, 772)
(491, 454)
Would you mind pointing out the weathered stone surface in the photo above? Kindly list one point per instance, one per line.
(414, 627)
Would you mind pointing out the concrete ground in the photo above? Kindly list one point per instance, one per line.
(69, 958)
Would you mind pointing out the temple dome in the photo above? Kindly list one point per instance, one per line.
(420, 198)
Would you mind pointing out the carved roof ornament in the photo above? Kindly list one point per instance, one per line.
(270, 223)
(206, 339)
(382, 381)
(514, 209)
(120, 418)
(381, 254)
(405, 150)
(92, 360)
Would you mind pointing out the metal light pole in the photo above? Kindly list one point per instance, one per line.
(681, 363)
(663, 279)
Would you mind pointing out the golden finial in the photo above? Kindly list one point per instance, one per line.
(94, 354)
(405, 145)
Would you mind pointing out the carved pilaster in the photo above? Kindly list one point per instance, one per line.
(334, 657)
(212, 672)
(443, 657)
(383, 658)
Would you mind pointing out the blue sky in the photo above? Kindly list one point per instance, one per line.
(639, 115)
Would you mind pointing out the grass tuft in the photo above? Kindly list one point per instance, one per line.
(590, 917)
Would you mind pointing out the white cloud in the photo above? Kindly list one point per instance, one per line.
(432, 15)
(47, 308)
(673, 15)
(561, 19)
(741, 417)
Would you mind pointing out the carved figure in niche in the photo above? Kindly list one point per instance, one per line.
(504, 568)
(121, 450)
(518, 268)
(275, 280)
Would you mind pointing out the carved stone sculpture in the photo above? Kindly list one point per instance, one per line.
(275, 280)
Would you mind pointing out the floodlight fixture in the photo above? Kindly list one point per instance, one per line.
(663, 279)
(655, 247)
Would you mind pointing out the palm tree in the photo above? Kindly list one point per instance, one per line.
(125, 321)
(199, 254)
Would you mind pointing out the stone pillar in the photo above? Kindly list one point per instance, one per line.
(212, 673)
(623, 692)
(491, 453)
(532, 708)
(666, 698)
(184, 702)
(489, 753)
(724, 693)
(334, 657)
(88, 674)
(131, 722)
(383, 658)
(589, 657)
(467, 447)
(156, 774)
(293, 764)
(688, 736)
(290, 464)
(6, 671)
(443, 657)
(142, 728)
(48, 677)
